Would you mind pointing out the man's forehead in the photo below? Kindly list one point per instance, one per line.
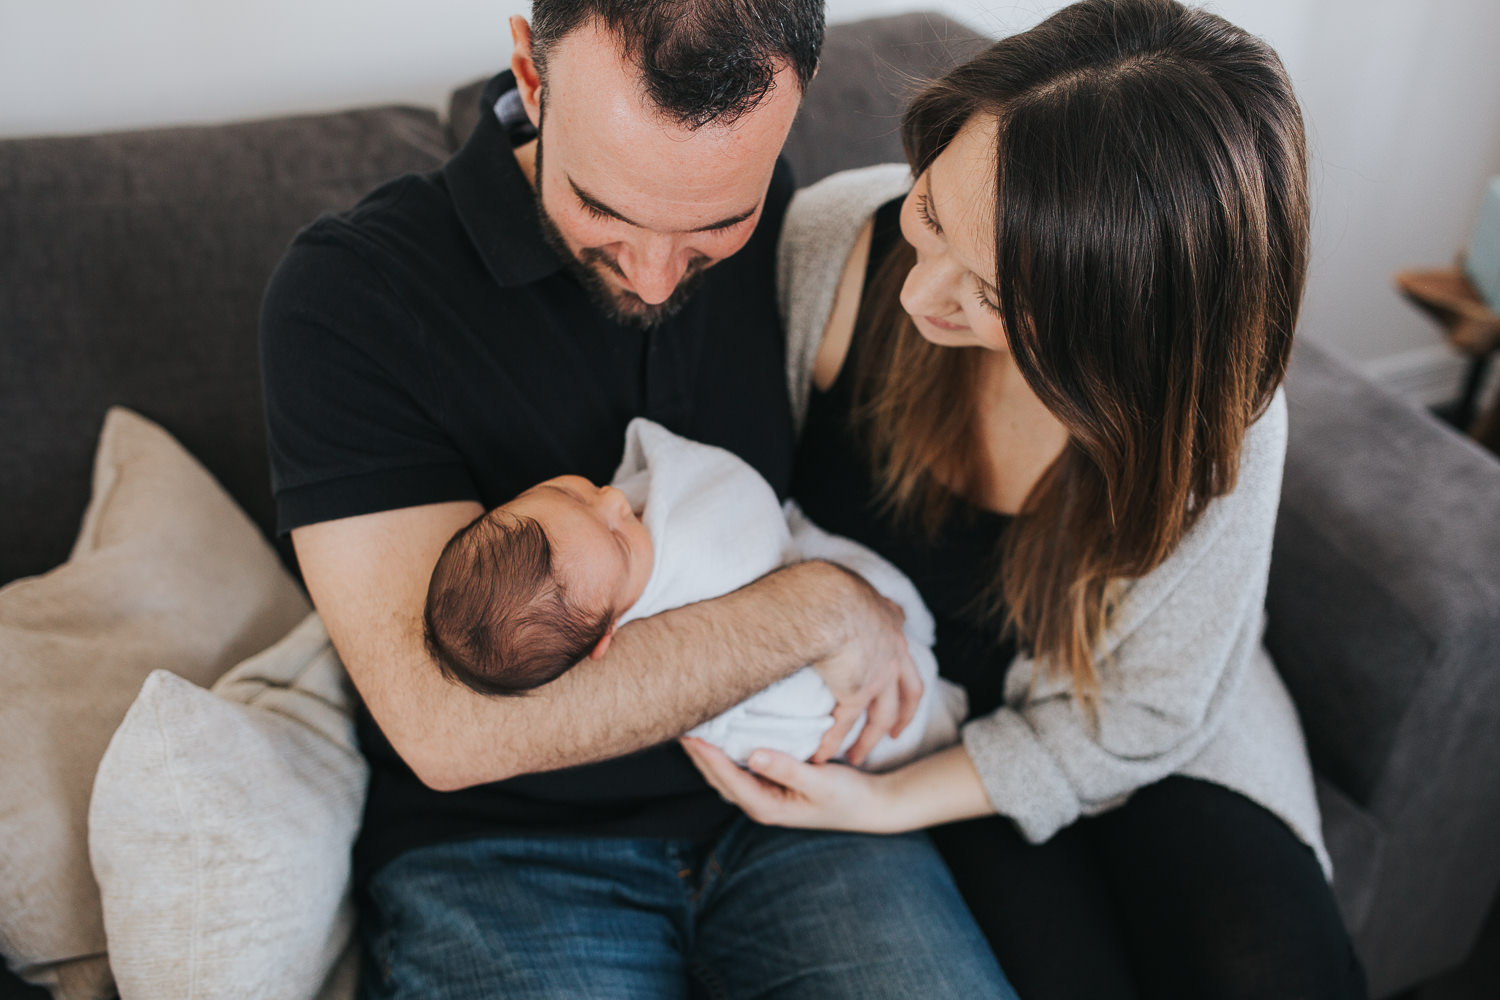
(663, 196)
(658, 174)
(603, 135)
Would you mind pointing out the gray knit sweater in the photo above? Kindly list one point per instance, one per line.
(1186, 686)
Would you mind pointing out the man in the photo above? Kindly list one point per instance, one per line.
(601, 248)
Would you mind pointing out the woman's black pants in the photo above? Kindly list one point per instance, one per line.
(1187, 891)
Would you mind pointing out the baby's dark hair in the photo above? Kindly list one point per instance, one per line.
(498, 619)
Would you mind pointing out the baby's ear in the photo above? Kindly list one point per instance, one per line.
(598, 650)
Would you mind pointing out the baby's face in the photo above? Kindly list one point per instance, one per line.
(602, 551)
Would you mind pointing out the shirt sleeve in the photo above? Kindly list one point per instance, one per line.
(1179, 644)
(354, 425)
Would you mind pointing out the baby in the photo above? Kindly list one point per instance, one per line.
(532, 588)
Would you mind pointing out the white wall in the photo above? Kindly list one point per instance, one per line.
(70, 66)
(1400, 100)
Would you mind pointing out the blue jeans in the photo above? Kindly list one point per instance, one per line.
(759, 912)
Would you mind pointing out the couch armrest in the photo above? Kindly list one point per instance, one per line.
(1384, 619)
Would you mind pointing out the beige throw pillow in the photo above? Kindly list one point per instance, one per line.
(221, 828)
(167, 573)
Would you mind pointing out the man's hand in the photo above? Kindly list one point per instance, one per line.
(871, 671)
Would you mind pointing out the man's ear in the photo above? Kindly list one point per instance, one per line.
(528, 77)
(598, 650)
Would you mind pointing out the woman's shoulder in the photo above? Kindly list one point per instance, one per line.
(831, 202)
(1250, 506)
(824, 223)
(1231, 542)
(1263, 454)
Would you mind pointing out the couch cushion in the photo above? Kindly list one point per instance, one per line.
(166, 574)
(131, 270)
(221, 824)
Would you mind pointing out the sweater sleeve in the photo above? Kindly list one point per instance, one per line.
(1179, 643)
(821, 225)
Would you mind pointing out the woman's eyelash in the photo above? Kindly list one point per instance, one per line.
(984, 300)
(924, 212)
(926, 215)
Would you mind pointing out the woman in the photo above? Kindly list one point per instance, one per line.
(1045, 384)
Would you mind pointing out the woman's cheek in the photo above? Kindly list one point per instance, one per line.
(989, 330)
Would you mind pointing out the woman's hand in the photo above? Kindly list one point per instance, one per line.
(780, 790)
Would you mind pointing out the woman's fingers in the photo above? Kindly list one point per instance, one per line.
(781, 790)
(706, 767)
(735, 784)
(782, 768)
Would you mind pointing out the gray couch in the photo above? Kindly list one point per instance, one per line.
(131, 267)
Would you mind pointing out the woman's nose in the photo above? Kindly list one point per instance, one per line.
(927, 290)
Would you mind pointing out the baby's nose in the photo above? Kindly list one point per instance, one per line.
(615, 500)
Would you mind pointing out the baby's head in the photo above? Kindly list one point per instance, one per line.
(526, 591)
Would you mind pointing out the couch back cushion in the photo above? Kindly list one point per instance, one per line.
(851, 116)
(131, 271)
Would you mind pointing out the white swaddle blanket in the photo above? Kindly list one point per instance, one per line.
(716, 526)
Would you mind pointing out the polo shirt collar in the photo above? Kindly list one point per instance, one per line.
(494, 201)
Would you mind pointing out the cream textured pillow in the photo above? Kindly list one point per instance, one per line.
(222, 823)
(167, 573)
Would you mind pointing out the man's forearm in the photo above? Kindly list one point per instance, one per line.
(661, 676)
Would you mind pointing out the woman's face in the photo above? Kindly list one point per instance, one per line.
(949, 219)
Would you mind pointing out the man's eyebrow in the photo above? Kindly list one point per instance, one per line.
(603, 209)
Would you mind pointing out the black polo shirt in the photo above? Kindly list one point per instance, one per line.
(428, 346)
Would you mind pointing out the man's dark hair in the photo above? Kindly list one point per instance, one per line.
(702, 60)
(497, 619)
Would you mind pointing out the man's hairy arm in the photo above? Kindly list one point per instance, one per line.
(661, 676)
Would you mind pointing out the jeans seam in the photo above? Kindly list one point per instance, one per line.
(708, 979)
(711, 871)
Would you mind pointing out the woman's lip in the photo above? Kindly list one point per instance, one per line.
(941, 324)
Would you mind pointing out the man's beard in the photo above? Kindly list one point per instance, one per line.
(625, 308)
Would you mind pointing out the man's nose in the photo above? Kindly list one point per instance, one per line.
(653, 268)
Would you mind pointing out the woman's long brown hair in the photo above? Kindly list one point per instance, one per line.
(1150, 246)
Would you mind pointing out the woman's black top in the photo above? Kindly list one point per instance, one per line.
(834, 484)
